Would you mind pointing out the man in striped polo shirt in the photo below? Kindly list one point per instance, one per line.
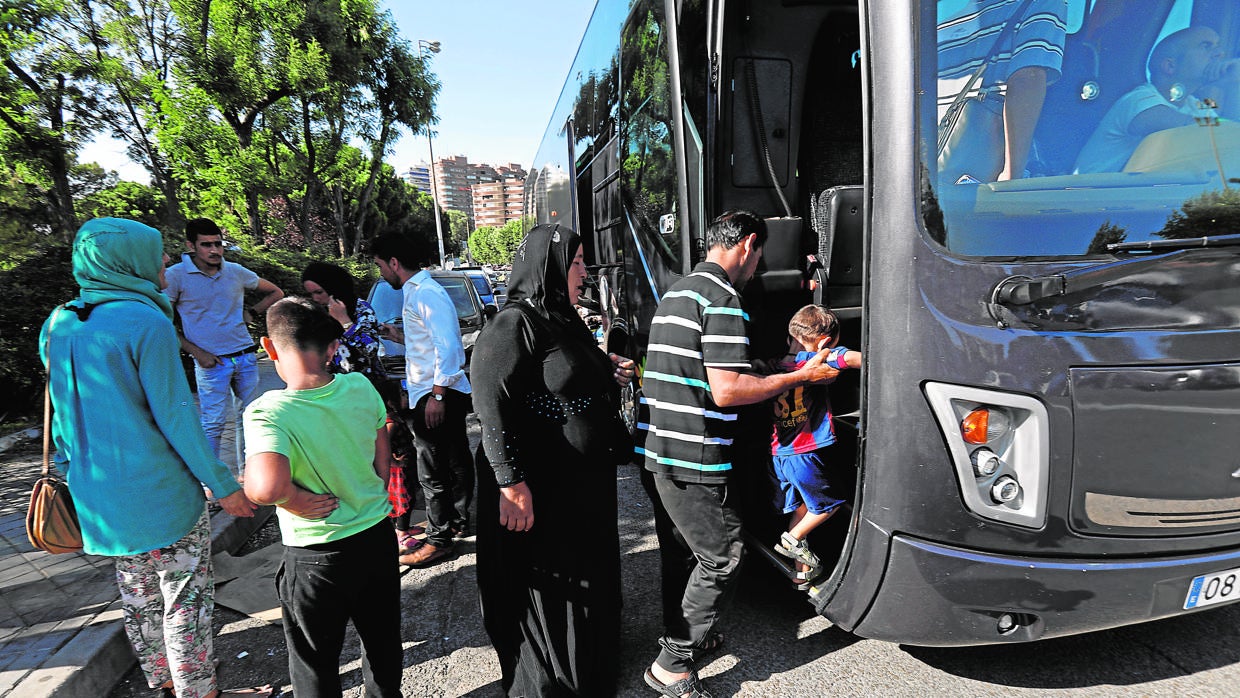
(697, 373)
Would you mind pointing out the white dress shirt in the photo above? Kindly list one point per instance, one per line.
(434, 354)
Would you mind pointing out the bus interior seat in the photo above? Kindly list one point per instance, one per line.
(839, 220)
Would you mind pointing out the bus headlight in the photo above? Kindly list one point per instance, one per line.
(999, 444)
(985, 462)
(1006, 489)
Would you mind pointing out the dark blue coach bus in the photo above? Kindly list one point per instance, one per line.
(1045, 439)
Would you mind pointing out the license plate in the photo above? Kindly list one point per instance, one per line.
(1209, 589)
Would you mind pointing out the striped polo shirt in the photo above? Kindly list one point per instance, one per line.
(967, 34)
(682, 433)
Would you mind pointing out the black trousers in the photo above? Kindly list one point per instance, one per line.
(700, 544)
(323, 587)
(445, 466)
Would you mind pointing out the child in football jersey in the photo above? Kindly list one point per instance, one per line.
(802, 437)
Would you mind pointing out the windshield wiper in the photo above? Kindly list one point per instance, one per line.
(1175, 244)
(1023, 290)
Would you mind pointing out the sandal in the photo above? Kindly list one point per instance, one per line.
(265, 691)
(408, 544)
(690, 686)
(253, 691)
(799, 551)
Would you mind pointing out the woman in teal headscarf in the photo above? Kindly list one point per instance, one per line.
(131, 446)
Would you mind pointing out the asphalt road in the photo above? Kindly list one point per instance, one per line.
(775, 645)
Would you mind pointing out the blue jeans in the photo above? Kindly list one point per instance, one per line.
(237, 377)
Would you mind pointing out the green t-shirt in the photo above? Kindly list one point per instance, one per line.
(328, 436)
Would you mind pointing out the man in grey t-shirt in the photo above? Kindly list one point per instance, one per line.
(208, 294)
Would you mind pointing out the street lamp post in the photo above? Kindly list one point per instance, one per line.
(425, 47)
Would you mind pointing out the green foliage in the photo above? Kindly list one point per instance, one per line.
(139, 202)
(31, 288)
(458, 224)
(1212, 213)
(1107, 234)
(490, 245)
(270, 118)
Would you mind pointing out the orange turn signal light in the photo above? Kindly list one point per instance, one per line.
(975, 426)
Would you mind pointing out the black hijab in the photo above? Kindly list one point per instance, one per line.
(539, 276)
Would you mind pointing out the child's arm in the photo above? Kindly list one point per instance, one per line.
(852, 359)
(383, 454)
(268, 480)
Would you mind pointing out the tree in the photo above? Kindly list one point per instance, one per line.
(458, 228)
(243, 58)
(1211, 213)
(135, 46)
(489, 245)
(48, 101)
(402, 94)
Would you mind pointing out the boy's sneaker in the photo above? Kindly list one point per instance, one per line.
(799, 551)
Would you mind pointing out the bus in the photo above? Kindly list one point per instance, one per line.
(1045, 439)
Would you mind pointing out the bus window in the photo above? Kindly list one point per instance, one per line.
(648, 163)
(1086, 178)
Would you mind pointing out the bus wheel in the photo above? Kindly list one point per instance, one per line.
(630, 396)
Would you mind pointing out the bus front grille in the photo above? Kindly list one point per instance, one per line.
(1144, 513)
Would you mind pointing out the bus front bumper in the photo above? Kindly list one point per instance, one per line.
(937, 595)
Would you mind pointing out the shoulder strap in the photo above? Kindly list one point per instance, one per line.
(1008, 28)
(47, 397)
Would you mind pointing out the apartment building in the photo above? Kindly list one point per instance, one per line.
(496, 203)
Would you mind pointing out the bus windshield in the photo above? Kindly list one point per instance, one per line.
(1063, 126)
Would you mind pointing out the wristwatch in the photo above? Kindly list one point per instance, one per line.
(437, 397)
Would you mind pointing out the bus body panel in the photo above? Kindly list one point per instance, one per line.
(1144, 349)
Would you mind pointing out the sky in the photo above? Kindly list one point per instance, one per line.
(501, 66)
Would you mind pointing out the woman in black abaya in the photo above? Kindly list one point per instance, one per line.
(548, 546)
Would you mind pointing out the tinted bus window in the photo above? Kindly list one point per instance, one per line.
(1094, 165)
(648, 165)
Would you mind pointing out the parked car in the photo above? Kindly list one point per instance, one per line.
(470, 309)
(483, 283)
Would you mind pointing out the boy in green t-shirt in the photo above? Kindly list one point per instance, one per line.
(318, 450)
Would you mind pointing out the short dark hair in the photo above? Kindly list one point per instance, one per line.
(814, 321)
(201, 226)
(298, 322)
(731, 227)
(402, 247)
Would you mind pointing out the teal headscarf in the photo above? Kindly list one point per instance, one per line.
(117, 259)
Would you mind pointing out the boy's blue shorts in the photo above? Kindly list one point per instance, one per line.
(802, 479)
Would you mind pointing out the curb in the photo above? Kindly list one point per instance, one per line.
(28, 434)
(99, 655)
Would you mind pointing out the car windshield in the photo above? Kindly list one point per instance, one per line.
(481, 283)
(460, 295)
(1132, 139)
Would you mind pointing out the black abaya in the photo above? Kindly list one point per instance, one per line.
(551, 595)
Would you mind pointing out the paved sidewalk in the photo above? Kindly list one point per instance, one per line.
(60, 627)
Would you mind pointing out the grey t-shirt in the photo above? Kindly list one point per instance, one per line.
(212, 308)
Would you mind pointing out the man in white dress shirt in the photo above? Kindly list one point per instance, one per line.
(439, 395)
